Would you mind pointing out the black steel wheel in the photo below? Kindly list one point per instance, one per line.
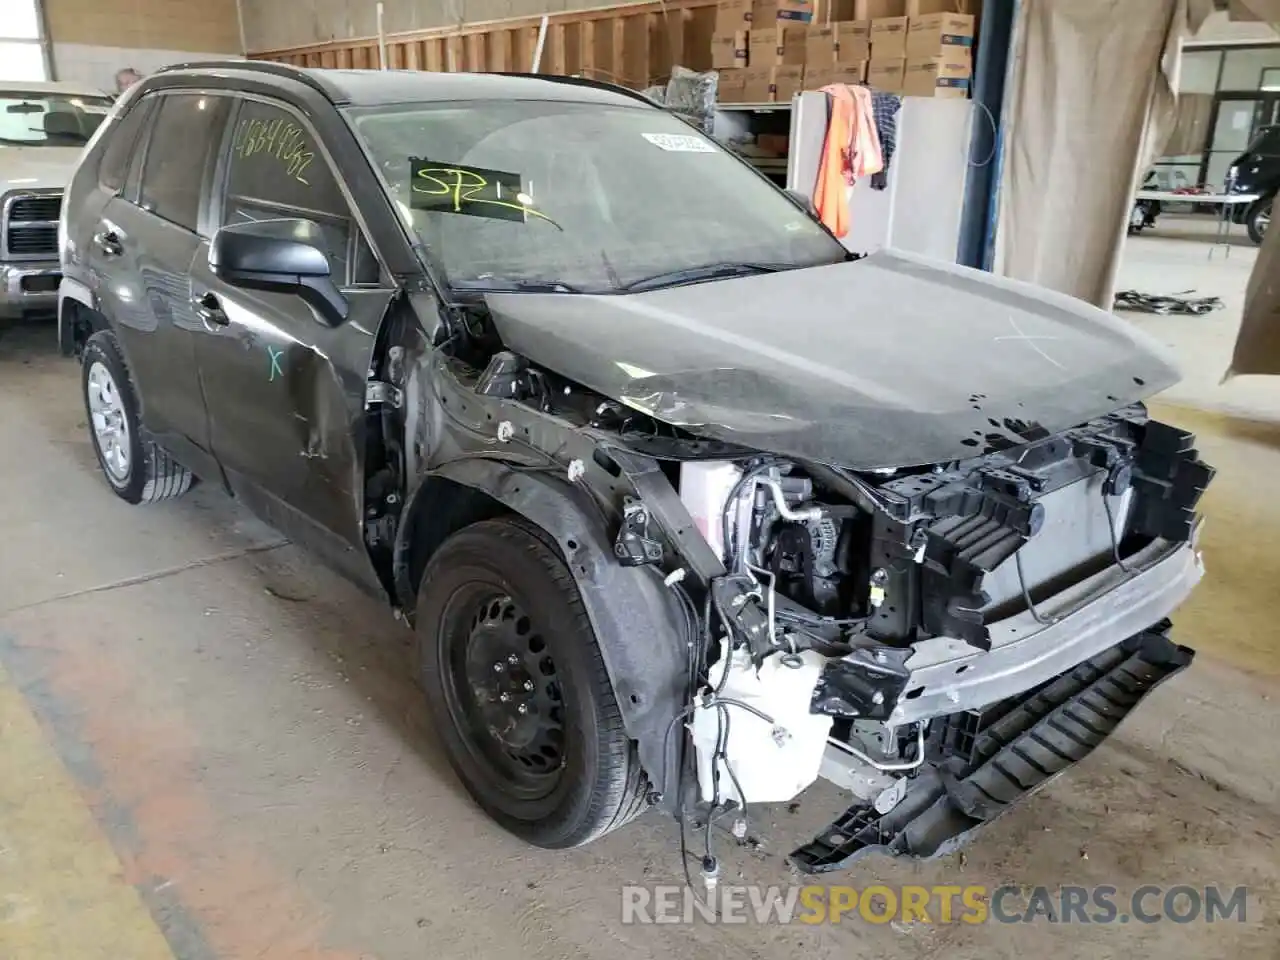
(518, 690)
(503, 689)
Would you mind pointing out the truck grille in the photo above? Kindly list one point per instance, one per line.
(30, 225)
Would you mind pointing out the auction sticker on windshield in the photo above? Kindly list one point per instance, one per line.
(473, 191)
(679, 142)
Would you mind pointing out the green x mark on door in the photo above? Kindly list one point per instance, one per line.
(276, 369)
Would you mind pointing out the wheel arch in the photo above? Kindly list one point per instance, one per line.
(78, 316)
(636, 618)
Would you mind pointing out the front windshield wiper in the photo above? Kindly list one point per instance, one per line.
(708, 271)
(496, 285)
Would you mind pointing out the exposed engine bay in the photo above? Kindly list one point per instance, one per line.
(875, 627)
(937, 639)
(861, 575)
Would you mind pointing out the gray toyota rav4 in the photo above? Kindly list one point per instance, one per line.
(687, 505)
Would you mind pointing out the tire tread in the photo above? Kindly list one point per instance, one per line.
(621, 787)
(164, 477)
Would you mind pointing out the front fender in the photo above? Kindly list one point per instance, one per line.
(636, 617)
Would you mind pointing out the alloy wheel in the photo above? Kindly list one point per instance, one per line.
(110, 422)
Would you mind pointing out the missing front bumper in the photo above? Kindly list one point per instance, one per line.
(986, 761)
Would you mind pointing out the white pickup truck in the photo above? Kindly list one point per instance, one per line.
(43, 130)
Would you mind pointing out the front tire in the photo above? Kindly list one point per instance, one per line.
(1258, 219)
(137, 469)
(517, 688)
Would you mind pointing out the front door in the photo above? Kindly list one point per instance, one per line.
(142, 247)
(285, 389)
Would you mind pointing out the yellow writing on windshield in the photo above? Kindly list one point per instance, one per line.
(455, 188)
(280, 139)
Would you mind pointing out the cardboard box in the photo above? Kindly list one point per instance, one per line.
(944, 76)
(732, 16)
(730, 88)
(757, 85)
(887, 74)
(923, 8)
(773, 144)
(765, 14)
(784, 46)
(866, 9)
(933, 34)
(815, 78)
(820, 45)
(888, 38)
(787, 82)
(767, 84)
(729, 50)
(853, 41)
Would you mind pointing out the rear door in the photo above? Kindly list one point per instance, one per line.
(286, 390)
(142, 248)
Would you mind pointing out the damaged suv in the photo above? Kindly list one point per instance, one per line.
(687, 505)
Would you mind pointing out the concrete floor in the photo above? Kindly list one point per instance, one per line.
(210, 747)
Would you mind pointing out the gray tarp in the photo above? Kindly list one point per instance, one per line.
(1091, 103)
(1258, 344)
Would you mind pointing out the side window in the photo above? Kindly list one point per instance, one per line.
(123, 136)
(182, 141)
(277, 171)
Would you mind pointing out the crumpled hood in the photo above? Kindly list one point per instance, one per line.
(892, 360)
(37, 168)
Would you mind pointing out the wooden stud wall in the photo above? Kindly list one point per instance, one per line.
(634, 45)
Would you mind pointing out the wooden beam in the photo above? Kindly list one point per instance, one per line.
(634, 55)
(476, 57)
(434, 59)
(500, 51)
(488, 26)
(553, 56)
(453, 53)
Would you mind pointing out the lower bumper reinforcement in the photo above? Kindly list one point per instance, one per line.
(995, 757)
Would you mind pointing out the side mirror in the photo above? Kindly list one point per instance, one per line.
(284, 256)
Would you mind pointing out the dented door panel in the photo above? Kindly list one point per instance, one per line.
(286, 396)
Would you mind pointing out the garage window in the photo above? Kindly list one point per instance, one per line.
(22, 50)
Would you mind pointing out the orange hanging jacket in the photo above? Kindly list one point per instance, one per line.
(851, 150)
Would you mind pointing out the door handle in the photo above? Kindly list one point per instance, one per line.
(209, 310)
(108, 243)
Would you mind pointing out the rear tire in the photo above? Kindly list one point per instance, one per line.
(136, 469)
(1258, 219)
(517, 688)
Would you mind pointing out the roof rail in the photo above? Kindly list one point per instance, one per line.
(579, 82)
(271, 67)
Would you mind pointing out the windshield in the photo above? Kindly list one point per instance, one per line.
(49, 119)
(580, 197)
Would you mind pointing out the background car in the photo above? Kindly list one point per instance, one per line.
(44, 128)
(1257, 170)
